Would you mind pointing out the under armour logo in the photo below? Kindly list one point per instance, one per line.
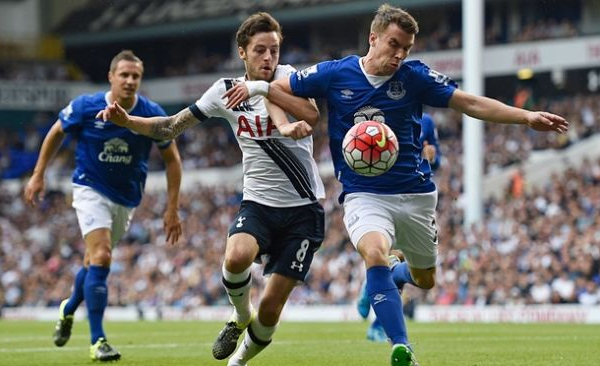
(379, 298)
(240, 221)
(298, 266)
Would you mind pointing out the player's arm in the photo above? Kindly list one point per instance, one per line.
(488, 109)
(35, 187)
(160, 128)
(430, 153)
(431, 147)
(171, 221)
(296, 130)
(278, 92)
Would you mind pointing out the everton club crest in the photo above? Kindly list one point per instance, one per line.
(396, 90)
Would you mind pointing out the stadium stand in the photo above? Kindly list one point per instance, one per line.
(538, 244)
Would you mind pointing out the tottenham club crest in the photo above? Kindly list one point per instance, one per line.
(396, 90)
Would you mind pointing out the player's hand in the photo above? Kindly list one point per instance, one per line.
(172, 226)
(544, 121)
(34, 190)
(115, 114)
(429, 152)
(236, 95)
(296, 130)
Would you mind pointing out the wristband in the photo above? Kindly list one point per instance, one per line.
(257, 87)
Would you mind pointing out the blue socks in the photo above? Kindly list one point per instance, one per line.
(77, 295)
(386, 303)
(401, 275)
(376, 323)
(96, 298)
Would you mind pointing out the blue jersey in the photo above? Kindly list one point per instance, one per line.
(110, 159)
(429, 134)
(397, 100)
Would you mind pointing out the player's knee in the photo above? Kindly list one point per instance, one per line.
(101, 257)
(425, 282)
(374, 256)
(237, 263)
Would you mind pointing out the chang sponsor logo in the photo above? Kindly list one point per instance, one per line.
(116, 151)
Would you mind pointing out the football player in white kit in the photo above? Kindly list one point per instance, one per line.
(395, 209)
(280, 217)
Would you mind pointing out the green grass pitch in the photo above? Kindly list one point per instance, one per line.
(321, 344)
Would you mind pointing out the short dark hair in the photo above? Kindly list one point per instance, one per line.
(257, 23)
(387, 14)
(126, 55)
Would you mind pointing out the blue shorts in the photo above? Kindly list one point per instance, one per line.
(287, 237)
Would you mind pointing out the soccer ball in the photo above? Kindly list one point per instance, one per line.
(370, 148)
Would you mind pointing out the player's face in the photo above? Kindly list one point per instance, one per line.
(261, 56)
(389, 48)
(125, 79)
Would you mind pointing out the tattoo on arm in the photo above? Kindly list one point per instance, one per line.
(167, 128)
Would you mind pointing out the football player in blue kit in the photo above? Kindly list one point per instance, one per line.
(108, 183)
(431, 152)
(396, 209)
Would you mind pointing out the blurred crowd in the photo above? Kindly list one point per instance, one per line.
(442, 34)
(212, 144)
(535, 245)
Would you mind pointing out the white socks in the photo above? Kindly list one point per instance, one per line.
(257, 338)
(238, 286)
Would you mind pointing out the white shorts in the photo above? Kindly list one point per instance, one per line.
(406, 220)
(95, 211)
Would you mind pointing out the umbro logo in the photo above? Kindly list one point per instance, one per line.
(99, 124)
(347, 94)
(379, 298)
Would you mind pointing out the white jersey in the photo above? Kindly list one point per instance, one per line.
(278, 171)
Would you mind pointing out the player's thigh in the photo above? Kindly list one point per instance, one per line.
(298, 235)
(365, 213)
(416, 229)
(92, 209)
(249, 232)
(241, 249)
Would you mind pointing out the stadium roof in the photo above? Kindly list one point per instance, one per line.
(146, 19)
